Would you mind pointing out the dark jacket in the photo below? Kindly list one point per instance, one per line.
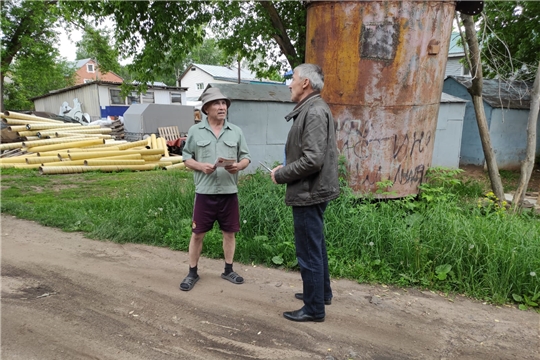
(311, 170)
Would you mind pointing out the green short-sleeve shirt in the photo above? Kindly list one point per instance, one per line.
(203, 146)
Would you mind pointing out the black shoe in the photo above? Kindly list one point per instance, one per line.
(301, 316)
(300, 296)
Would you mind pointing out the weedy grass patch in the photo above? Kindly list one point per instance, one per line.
(448, 238)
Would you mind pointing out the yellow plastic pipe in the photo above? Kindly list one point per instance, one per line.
(10, 146)
(153, 141)
(65, 163)
(88, 130)
(94, 154)
(17, 128)
(27, 133)
(123, 157)
(42, 133)
(79, 169)
(104, 147)
(175, 166)
(11, 121)
(159, 144)
(173, 159)
(72, 131)
(164, 146)
(101, 162)
(159, 163)
(67, 145)
(16, 115)
(27, 166)
(60, 154)
(151, 157)
(133, 144)
(144, 152)
(41, 126)
(41, 159)
(14, 160)
(32, 138)
(69, 134)
(52, 134)
(33, 143)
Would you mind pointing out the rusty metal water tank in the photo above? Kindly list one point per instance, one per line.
(384, 65)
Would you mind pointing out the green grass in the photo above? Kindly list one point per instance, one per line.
(444, 239)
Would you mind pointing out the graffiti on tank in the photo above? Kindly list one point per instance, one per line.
(359, 145)
(413, 175)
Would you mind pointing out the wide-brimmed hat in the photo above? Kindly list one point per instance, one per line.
(212, 94)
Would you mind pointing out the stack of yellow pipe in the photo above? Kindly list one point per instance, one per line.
(74, 148)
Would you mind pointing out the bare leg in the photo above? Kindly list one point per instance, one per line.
(195, 248)
(229, 246)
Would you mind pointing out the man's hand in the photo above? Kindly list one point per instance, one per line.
(207, 168)
(274, 171)
(236, 167)
(233, 169)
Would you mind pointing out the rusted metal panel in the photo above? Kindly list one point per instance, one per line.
(384, 64)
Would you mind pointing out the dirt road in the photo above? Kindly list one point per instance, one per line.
(67, 297)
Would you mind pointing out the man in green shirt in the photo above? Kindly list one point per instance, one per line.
(216, 150)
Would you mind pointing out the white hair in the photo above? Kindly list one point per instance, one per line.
(313, 73)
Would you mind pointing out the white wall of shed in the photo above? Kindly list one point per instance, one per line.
(447, 146)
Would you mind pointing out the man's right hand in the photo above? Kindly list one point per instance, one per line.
(274, 171)
(208, 168)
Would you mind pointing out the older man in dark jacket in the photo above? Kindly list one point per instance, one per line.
(311, 175)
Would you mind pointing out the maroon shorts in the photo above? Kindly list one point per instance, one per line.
(221, 208)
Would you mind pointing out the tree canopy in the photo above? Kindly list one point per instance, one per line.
(97, 44)
(27, 79)
(154, 32)
(27, 32)
(208, 52)
(510, 39)
(149, 31)
(261, 31)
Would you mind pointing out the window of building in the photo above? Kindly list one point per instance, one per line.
(134, 98)
(193, 68)
(465, 70)
(116, 99)
(90, 68)
(148, 98)
(176, 98)
(200, 86)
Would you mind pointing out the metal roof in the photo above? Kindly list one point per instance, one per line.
(447, 98)
(227, 72)
(106, 83)
(254, 92)
(502, 94)
(81, 62)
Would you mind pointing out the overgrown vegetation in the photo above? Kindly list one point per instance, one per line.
(450, 238)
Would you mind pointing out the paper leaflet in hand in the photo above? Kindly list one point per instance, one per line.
(222, 162)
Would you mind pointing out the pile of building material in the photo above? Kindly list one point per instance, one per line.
(55, 147)
(117, 128)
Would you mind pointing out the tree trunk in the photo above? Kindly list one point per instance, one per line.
(528, 164)
(2, 91)
(476, 92)
(281, 37)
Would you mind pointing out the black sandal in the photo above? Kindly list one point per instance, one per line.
(188, 283)
(233, 277)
